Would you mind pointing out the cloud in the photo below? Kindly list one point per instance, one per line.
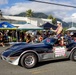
(71, 18)
(3, 2)
(68, 19)
(57, 11)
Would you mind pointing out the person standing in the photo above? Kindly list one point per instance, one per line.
(1, 39)
(58, 31)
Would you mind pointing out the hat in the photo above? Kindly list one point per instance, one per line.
(71, 33)
(59, 22)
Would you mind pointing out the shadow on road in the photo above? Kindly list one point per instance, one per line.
(50, 62)
(39, 64)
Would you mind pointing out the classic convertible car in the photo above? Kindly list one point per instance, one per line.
(29, 54)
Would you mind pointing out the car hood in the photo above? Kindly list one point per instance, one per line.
(21, 46)
(12, 49)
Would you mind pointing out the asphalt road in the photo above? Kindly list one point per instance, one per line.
(57, 67)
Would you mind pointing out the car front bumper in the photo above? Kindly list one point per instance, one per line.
(11, 60)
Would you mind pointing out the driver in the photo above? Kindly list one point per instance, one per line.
(58, 31)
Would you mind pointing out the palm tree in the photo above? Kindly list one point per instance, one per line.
(50, 17)
(54, 21)
(29, 13)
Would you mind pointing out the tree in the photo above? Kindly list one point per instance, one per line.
(54, 20)
(29, 13)
(50, 17)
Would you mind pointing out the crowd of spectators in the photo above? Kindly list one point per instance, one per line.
(1, 39)
(23, 36)
(36, 36)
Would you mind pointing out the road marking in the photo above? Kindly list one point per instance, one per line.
(38, 71)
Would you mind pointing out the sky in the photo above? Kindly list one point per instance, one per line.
(13, 7)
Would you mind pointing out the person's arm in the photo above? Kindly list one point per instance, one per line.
(53, 30)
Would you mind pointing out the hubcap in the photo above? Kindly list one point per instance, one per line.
(29, 60)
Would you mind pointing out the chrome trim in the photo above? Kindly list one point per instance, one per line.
(7, 59)
(72, 50)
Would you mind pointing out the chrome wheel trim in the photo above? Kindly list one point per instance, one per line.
(29, 60)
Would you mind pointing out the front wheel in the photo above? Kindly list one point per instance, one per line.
(29, 60)
(73, 55)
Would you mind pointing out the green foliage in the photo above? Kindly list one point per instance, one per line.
(54, 20)
(29, 13)
(64, 30)
(39, 15)
(14, 39)
(23, 14)
(36, 15)
(50, 17)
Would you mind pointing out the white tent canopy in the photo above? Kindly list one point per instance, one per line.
(72, 29)
(29, 27)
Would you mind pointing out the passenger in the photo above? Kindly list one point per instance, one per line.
(40, 38)
(74, 39)
(69, 37)
(28, 38)
(58, 31)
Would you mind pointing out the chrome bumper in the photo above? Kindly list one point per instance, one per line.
(13, 62)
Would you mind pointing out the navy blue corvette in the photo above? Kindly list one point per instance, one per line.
(29, 54)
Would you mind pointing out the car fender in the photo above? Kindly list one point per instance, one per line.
(72, 50)
(30, 51)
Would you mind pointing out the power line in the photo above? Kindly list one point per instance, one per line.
(53, 3)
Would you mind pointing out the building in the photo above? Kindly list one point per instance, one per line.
(16, 20)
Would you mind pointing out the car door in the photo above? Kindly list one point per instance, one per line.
(47, 53)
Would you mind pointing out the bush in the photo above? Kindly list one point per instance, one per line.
(14, 39)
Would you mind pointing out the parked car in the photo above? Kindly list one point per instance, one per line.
(29, 54)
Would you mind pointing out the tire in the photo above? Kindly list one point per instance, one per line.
(73, 55)
(29, 60)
